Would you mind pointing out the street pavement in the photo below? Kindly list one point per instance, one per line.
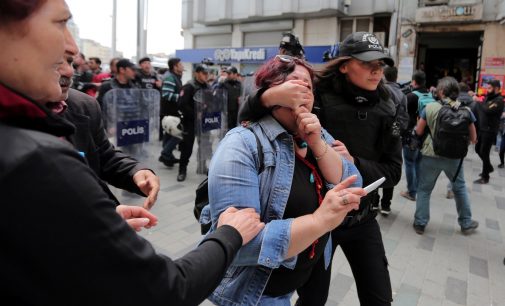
(441, 267)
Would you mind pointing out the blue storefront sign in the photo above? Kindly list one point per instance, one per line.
(313, 54)
(211, 121)
(132, 132)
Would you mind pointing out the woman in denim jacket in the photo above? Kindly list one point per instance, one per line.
(294, 193)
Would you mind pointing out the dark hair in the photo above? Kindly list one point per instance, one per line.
(494, 83)
(96, 60)
(391, 73)
(172, 62)
(449, 87)
(144, 59)
(330, 78)
(81, 55)
(112, 60)
(18, 10)
(463, 87)
(420, 77)
(275, 71)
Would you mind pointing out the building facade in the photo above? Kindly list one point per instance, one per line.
(246, 33)
(461, 38)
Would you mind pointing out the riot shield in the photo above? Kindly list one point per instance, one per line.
(210, 123)
(132, 119)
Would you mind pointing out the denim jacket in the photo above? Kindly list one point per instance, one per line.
(234, 181)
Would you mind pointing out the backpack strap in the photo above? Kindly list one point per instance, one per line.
(260, 150)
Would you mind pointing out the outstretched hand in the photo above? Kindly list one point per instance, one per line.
(246, 221)
(137, 217)
(149, 184)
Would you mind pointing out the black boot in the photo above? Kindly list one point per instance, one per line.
(182, 174)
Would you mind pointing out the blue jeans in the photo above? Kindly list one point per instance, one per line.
(430, 169)
(169, 143)
(411, 159)
(283, 300)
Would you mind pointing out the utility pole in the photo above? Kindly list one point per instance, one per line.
(114, 21)
(142, 10)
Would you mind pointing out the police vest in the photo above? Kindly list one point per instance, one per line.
(365, 129)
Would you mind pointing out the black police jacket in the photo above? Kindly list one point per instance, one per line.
(366, 131)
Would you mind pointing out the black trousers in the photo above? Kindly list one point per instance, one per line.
(363, 247)
(186, 146)
(483, 149)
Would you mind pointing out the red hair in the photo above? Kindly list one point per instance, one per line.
(275, 71)
(18, 10)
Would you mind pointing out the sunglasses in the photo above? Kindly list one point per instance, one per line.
(289, 59)
(379, 65)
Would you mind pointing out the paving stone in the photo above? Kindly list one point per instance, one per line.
(492, 224)
(455, 290)
(407, 296)
(426, 243)
(500, 202)
(441, 267)
(478, 266)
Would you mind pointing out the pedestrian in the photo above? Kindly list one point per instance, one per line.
(355, 107)
(172, 85)
(187, 107)
(432, 164)
(489, 114)
(402, 122)
(64, 241)
(410, 143)
(293, 192)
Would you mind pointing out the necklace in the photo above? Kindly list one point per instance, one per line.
(314, 178)
(302, 144)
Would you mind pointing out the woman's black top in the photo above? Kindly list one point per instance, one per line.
(302, 200)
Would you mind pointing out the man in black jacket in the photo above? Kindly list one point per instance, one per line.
(187, 107)
(110, 164)
(488, 116)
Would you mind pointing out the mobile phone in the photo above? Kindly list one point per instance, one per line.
(374, 185)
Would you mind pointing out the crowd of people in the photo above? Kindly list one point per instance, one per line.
(285, 183)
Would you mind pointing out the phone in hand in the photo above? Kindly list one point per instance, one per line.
(374, 185)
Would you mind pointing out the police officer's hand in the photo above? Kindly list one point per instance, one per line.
(246, 221)
(309, 128)
(149, 184)
(338, 202)
(291, 94)
(341, 149)
(137, 217)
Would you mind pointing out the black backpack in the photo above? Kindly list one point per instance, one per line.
(451, 136)
(202, 191)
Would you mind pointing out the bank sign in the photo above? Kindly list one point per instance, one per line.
(132, 132)
(239, 55)
(314, 54)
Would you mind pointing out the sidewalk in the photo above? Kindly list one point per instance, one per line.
(441, 267)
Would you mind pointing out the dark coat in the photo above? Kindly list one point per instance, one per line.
(109, 163)
(63, 242)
